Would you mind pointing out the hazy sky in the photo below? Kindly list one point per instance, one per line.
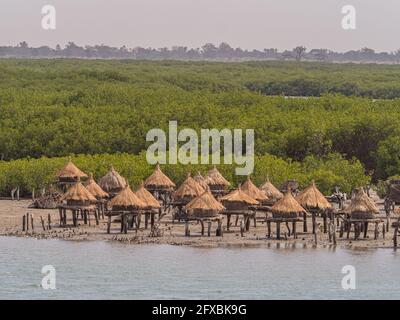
(249, 24)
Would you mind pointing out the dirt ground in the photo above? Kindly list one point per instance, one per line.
(11, 213)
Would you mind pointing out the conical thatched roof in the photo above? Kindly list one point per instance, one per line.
(287, 206)
(112, 181)
(147, 197)
(312, 198)
(94, 188)
(127, 199)
(252, 191)
(361, 204)
(270, 190)
(206, 202)
(71, 171)
(78, 192)
(200, 180)
(214, 177)
(158, 180)
(239, 196)
(189, 188)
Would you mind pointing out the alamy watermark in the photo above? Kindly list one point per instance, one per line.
(49, 280)
(349, 19)
(349, 280)
(48, 17)
(236, 149)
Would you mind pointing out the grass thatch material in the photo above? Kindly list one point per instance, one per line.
(204, 206)
(95, 189)
(188, 189)
(127, 200)
(312, 198)
(361, 207)
(71, 171)
(200, 180)
(147, 197)
(112, 182)
(238, 200)
(271, 191)
(158, 180)
(252, 191)
(287, 207)
(78, 194)
(215, 178)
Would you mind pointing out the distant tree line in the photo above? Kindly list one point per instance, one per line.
(208, 51)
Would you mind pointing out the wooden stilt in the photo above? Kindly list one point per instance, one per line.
(365, 229)
(325, 218)
(23, 223)
(152, 219)
(146, 220)
(209, 228)
(202, 227)
(294, 230)
(304, 222)
(314, 223)
(109, 224)
(242, 227)
(187, 231)
(396, 230)
(49, 221)
(278, 230)
(228, 222)
(269, 229)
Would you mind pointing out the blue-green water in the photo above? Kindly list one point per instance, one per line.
(100, 270)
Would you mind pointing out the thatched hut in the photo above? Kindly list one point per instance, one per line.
(239, 203)
(78, 200)
(127, 205)
(216, 182)
(285, 210)
(152, 204)
(252, 191)
(200, 180)
(69, 175)
(271, 191)
(315, 202)
(204, 207)
(361, 206)
(160, 185)
(187, 191)
(112, 182)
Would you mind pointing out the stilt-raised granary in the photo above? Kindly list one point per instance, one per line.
(216, 182)
(112, 182)
(152, 204)
(271, 191)
(128, 206)
(238, 203)
(252, 191)
(99, 194)
(204, 208)
(200, 180)
(160, 185)
(79, 201)
(359, 213)
(284, 211)
(315, 202)
(69, 175)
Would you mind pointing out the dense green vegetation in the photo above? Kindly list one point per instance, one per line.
(54, 108)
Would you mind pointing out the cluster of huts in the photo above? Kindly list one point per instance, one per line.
(209, 199)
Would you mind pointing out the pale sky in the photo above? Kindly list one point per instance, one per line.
(250, 24)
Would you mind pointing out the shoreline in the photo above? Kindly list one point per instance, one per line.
(11, 213)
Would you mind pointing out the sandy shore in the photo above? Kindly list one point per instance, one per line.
(11, 213)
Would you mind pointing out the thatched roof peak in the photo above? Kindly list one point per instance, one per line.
(287, 205)
(78, 192)
(252, 191)
(206, 202)
(144, 195)
(361, 203)
(189, 188)
(239, 196)
(312, 198)
(127, 199)
(158, 180)
(94, 188)
(112, 181)
(200, 180)
(70, 170)
(270, 190)
(214, 177)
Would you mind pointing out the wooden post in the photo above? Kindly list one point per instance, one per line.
(330, 231)
(96, 216)
(49, 221)
(288, 229)
(269, 229)
(325, 218)
(109, 224)
(304, 222)
(85, 217)
(202, 227)
(228, 221)
(27, 221)
(152, 219)
(42, 221)
(341, 229)
(348, 229)
(255, 220)
(65, 217)
(365, 229)
(376, 231)
(294, 229)
(219, 232)
(237, 219)
(209, 228)
(146, 220)
(23, 223)
(314, 224)
(334, 232)
(32, 223)
(241, 228)
(278, 230)
(383, 231)
(187, 231)
(61, 216)
(247, 219)
(396, 230)
(122, 222)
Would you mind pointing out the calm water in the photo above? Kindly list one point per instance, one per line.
(100, 270)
